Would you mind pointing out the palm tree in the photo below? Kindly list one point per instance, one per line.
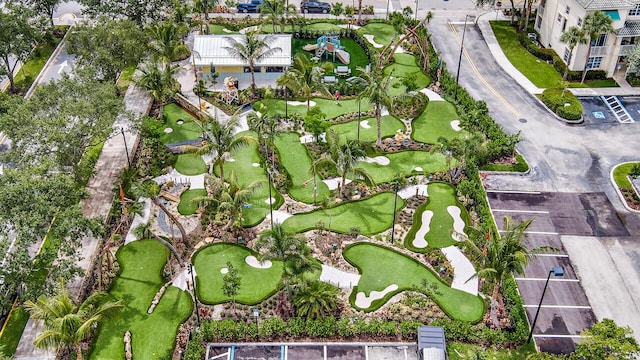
(218, 141)
(65, 323)
(166, 44)
(377, 92)
(143, 231)
(250, 49)
(180, 17)
(205, 7)
(265, 126)
(305, 78)
(461, 149)
(344, 158)
(158, 79)
(572, 37)
(314, 299)
(502, 255)
(274, 11)
(595, 24)
(277, 244)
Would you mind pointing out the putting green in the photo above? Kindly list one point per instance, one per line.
(248, 168)
(186, 207)
(190, 164)
(153, 335)
(371, 215)
(441, 225)
(255, 284)
(382, 33)
(187, 130)
(295, 159)
(404, 163)
(329, 107)
(435, 122)
(381, 268)
(368, 128)
(405, 66)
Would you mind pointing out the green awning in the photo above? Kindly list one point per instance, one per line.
(613, 14)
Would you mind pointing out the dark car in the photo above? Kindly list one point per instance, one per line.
(250, 6)
(315, 6)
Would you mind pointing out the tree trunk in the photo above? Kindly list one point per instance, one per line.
(379, 123)
(7, 65)
(78, 353)
(523, 23)
(527, 14)
(359, 11)
(156, 200)
(586, 62)
(494, 305)
(253, 80)
(221, 162)
(170, 247)
(513, 12)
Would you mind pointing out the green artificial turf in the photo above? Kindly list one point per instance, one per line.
(188, 130)
(404, 163)
(255, 284)
(371, 216)
(328, 106)
(329, 27)
(441, 196)
(380, 267)
(190, 164)
(349, 130)
(295, 159)
(186, 207)
(153, 335)
(10, 337)
(215, 29)
(382, 33)
(405, 66)
(358, 58)
(246, 174)
(435, 122)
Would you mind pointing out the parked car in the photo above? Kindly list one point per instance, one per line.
(250, 6)
(315, 6)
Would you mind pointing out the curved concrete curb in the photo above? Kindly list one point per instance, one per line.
(615, 186)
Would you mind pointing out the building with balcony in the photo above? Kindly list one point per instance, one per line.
(609, 51)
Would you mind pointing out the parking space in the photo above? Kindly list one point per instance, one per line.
(312, 351)
(596, 112)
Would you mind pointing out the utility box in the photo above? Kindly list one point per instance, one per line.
(431, 343)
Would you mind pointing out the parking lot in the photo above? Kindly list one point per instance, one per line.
(596, 112)
(312, 351)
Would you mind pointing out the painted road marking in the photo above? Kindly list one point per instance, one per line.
(554, 255)
(522, 211)
(545, 279)
(560, 306)
(536, 232)
(557, 336)
(515, 192)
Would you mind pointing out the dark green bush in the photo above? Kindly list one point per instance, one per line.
(556, 100)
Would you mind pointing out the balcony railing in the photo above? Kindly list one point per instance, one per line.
(599, 51)
(541, 10)
(626, 49)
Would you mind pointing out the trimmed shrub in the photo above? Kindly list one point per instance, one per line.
(557, 99)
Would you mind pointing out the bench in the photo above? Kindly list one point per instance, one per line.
(329, 80)
(342, 71)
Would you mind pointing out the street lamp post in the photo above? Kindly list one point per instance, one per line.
(395, 201)
(556, 271)
(464, 31)
(359, 101)
(256, 313)
(126, 149)
(415, 15)
(286, 103)
(195, 298)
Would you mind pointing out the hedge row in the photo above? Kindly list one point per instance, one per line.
(557, 99)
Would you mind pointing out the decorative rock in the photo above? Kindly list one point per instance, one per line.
(156, 299)
(168, 130)
(128, 354)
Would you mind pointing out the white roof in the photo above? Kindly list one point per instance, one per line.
(210, 50)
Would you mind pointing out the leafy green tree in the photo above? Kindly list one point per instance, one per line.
(572, 37)
(180, 17)
(595, 25)
(315, 122)
(277, 244)
(608, 341)
(109, 46)
(377, 92)
(19, 33)
(205, 7)
(314, 299)
(66, 323)
(252, 48)
(462, 149)
(231, 283)
(44, 7)
(337, 9)
(159, 80)
(349, 12)
(140, 12)
(166, 43)
(305, 78)
(266, 128)
(633, 60)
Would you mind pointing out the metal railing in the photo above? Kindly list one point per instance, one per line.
(599, 51)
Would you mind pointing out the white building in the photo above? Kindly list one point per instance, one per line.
(607, 52)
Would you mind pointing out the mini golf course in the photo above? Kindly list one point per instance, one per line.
(180, 125)
(368, 128)
(295, 159)
(153, 335)
(258, 280)
(371, 215)
(385, 272)
(435, 221)
(404, 163)
(190, 164)
(329, 107)
(435, 122)
(186, 206)
(405, 66)
(382, 33)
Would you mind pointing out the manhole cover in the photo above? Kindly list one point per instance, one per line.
(523, 120)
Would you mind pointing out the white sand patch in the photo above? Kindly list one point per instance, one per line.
(363, 301)
(418, 168)
(255, 164)
(298, 103)
(455, 125)
(224, 271)
(168, 130)
(229, 159)
(181, 280)
(334, 182)
(310, 138)
(432, 95)
(399, 50)
(463, 270)
(382, 160)
(346, 26)
(365, 124)
(419, 241)
(227, 30)
(369, 38)
(339, 278)
(458, 223)
(410, 191)
(139, 220)
(250, 28)
(280, 216)
(253, 262)
(270, 200)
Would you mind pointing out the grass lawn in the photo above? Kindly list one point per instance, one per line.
(255, 284)
(190, 164)
(371, 215)
(460, 351)
(125, 79)
(215, 29)
(295, 159)
(405, 66)
(620, 175)
(30, 69)
(358, 57)
(404, 163)
(246, 173)
(435, 122)
(349, 130)
(188, 130)
(153, 335)
(328, 106)
(323, 27)
(12, 332)
(382, 33)
(441, 196)
(380, 267)
(186, 207)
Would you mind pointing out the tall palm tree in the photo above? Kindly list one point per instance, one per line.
(274, 11)
(159, 80)
(595, 24)
(344, 158)
(66, 323)
(180, 17)
(314, 299)
(461, 149)
(251, 49)
(277, 244)
(166, 43)
(572, 37)
(377, 92)
(205, 7)
(305, 78)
